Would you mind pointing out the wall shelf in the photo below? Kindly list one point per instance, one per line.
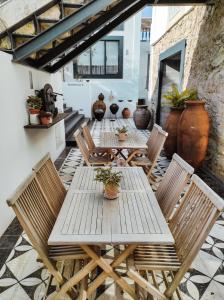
(57, 119)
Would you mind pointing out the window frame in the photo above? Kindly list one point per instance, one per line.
(119, 75)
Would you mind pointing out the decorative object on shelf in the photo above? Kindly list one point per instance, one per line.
(45, 117)
(126, 113)
(142, 116)
(49, 97)
(176, 99)
(99, 114)
(111, 181)
(99, 105)
(114, 108)
(122, 133)
(34, 105)
(141, 101)
(120, 100)
(193, 132)
(111, 96)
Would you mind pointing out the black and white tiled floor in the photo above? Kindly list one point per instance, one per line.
(23, 278)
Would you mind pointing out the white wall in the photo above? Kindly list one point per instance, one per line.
(125, 88)
(20, 148)
(145, 51)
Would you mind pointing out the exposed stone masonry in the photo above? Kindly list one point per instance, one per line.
(203, 28)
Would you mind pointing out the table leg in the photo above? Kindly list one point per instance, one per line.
(118, 260)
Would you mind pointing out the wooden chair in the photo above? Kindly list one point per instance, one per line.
(88, 156)
(190, 226)
(172, 184)
(37, 219)
(50, 182)
(155, 145)
(90, 143)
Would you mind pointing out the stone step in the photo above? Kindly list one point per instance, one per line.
(70, 141)
(72, 124)
(72, 114)
(67, 109)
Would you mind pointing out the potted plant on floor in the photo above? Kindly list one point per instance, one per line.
(34, 105)
(45, 117)
(122, 133)
(177, 101)
(111, 181)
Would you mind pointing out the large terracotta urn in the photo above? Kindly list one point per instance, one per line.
(193, 131)
(171, 126)
(99, 105)
(126, 113)
(142, 116)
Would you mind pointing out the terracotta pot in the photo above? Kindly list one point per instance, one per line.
(34, 111)
(122, 136)
(126, 113)
(171, 127)
(193, 131)
(99, 105)
(34, 116)
(142, 117)
(46, 120)
(111, 191)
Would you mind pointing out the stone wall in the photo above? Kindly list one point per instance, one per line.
(203, 28)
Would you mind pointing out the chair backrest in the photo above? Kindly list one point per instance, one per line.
(82, 146)
(36, 217)
(155, 145)
(87, 136)
(172, 184)
(153, 134)
(51, 183)
(194, 219)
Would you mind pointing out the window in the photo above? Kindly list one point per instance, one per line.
(102, 60)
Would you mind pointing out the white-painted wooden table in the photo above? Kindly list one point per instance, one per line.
(110, 140)
(86, 218)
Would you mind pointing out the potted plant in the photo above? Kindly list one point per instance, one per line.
(34, 105)
(176, 100)
(45, 117)
(111, 181)
(122, 133)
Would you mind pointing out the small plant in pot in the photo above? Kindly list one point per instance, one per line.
(176, 100)
(34, 105)
(111, 181)
(122, 133)
(45, 117)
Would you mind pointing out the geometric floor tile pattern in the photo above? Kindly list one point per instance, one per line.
(23, 278)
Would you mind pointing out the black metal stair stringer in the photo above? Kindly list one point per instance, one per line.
(80, 35)
(98, 35)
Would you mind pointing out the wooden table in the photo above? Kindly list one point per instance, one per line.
(110, 140)
(87, 219)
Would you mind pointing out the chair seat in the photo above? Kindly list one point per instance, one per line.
(63, 252)
(159, 257)
(105, 159)
(141, 161)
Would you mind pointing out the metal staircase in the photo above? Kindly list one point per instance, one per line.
(56, 33)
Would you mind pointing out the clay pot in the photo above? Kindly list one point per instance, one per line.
(111, 191)
(122, 136)
(171, 127)
(142, 117)
(34, 116)
(114, 108)
(141, 101)
(99, 114)
(193, 131)
(99, 104)
(126, 113)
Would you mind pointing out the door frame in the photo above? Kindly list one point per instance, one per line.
(179, 47)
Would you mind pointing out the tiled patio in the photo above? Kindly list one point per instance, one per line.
(22, 278)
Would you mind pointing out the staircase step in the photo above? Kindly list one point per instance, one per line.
(72, 5)
(48, 21)
(71, 116)
(72, 125)
(24, 36)
(70, 141)
(67, 109)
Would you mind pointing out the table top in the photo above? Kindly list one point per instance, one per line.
(110, 140)
(87, 218)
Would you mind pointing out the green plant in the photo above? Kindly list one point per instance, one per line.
(107, 176)
(177, 99)
(123, 129)
(34, 102)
